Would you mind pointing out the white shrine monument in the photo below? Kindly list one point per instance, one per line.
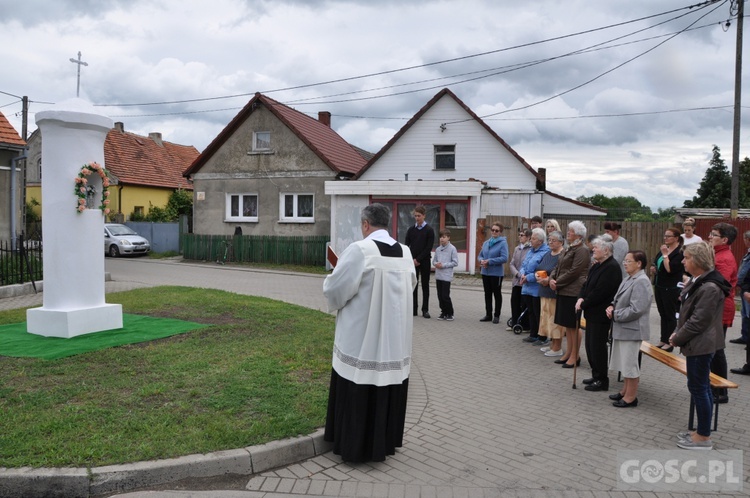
(73, 135)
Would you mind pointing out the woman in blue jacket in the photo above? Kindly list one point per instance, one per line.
(492, 259)
(530, 286)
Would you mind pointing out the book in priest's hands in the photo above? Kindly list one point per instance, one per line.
(332, 257)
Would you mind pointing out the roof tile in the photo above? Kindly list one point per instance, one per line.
(8, 134)
(328, 145)
(139, 160)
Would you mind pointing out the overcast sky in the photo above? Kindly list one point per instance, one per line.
(606, 104)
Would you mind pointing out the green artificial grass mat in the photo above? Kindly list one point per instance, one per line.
(15, 341)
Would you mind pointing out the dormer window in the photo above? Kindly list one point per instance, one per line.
(261, 141)
(445, 157)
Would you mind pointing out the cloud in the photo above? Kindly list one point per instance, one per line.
(543, 65)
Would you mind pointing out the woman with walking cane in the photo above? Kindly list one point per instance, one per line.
(567, 279)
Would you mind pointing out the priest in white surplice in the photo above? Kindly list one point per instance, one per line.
(371, 289)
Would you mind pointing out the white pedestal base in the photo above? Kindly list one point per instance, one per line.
(72, 323)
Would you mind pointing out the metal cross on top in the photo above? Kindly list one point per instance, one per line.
(80, 63)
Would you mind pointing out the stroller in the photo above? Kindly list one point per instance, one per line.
(518, 325)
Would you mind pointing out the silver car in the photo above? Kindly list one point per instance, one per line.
(120, 239)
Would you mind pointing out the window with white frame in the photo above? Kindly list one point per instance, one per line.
(241, 207)
(261, 141)
(445, 157)
(297, 208)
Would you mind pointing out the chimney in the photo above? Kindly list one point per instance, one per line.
(120, 126)
(541, 183)
(156, 137)
(325, 118)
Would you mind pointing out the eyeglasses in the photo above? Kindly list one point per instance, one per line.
(714, 235)
(628, 261)
(494, 230)
(667, 236)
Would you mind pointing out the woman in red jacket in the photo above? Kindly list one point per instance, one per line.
(722, 236)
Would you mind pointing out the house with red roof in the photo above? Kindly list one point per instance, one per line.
(449, 160)
(265, 173)
(144, 170)
(12, 148)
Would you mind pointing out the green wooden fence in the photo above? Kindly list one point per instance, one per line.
(307, 251)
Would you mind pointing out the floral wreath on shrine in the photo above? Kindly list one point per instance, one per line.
(83, 190)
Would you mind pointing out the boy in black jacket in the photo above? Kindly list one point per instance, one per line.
(420, 238)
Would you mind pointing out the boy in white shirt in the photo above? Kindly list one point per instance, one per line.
(446, 258)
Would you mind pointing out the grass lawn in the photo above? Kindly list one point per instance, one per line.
(258, 374)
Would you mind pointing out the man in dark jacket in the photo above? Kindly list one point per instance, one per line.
(745, 286)
(420, 239)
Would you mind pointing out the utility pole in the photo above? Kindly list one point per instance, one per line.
(24, 118)
(734, 202)
(80, 63)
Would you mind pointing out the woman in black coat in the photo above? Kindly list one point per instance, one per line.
(596, 295)
(668, 271)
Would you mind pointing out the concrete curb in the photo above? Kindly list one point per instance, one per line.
(17, 290)
(84, 482)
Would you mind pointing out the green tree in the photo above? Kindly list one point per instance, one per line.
(180, 202)
(715, 189)
(620, 207)
(745, 183)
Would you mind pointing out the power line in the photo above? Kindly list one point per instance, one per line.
(618, 66)
(419, 66)
(514, 67)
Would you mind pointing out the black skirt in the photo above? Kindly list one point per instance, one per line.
(565, 312)
(365, 422)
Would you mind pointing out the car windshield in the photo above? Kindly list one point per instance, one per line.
(120, 230)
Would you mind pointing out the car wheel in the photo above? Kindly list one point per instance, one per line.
(114, 251)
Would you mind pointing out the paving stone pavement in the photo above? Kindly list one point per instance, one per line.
(488, 415)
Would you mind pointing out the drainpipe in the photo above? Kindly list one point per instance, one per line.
(119, 200)
(13, 210)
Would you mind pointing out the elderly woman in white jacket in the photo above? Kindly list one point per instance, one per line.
(630, 312)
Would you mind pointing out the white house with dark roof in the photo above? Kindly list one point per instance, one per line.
(449, 160)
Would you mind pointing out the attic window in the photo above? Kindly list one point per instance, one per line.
(445, 157)
(261, 141)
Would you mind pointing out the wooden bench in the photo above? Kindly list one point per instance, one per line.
(678, 363)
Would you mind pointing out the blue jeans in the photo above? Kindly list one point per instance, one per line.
(699, 385)
(745, 320)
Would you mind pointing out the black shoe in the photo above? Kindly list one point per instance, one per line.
(560, 362)
(441, 317)
(616, 397)
(621, 403)
(597, 385)
(568, 365)
(739, 340)
(589, 381)
(496, 319)
(745, 370)
(425, 314)
(530, 339)
(668, 349)
(486, 318)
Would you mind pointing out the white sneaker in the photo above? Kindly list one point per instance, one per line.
(544, 349)
(689, 444)
(554, 353)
